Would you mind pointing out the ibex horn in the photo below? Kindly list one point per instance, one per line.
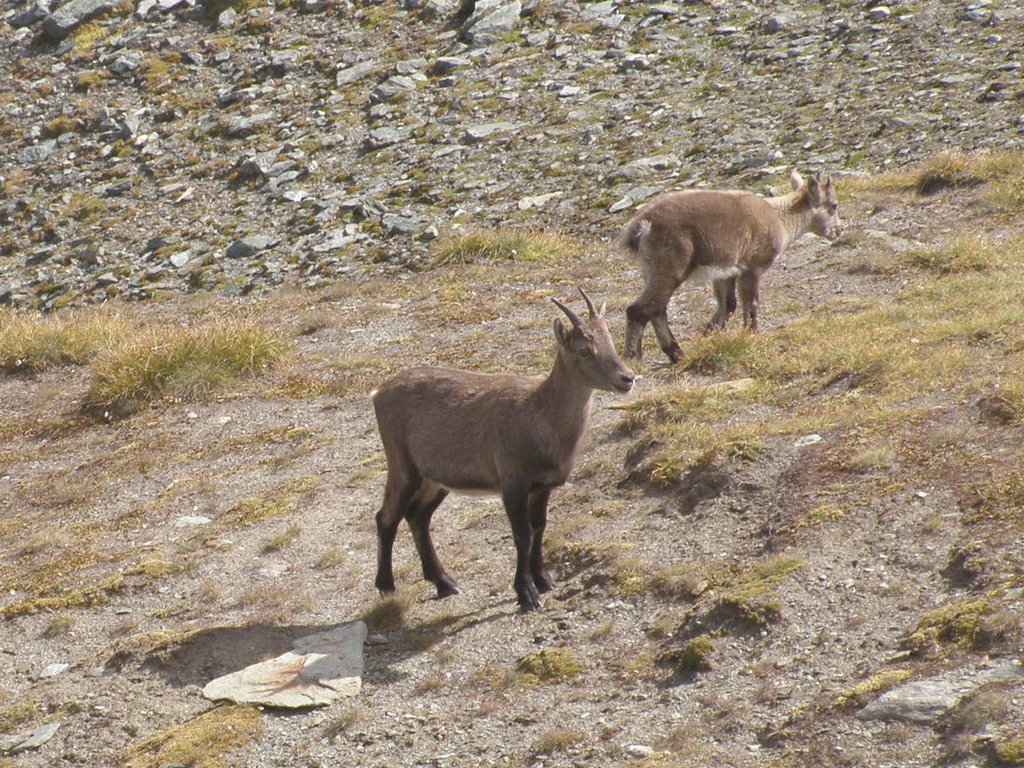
(590, 304)
(576, 322)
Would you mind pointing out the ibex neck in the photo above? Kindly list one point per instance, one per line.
(565, 398)
(794, 214)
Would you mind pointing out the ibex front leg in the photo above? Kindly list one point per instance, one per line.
(516, 498)
(538, 521)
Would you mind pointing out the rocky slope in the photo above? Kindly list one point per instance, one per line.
(229, 147)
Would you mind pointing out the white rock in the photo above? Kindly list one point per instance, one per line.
(320, 668)
(52, 670)
(808, 440)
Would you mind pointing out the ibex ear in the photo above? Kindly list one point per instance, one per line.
(814, 190)
(604, 306)
(561, 333)
(795, 180)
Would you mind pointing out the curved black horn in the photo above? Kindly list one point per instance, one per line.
(576, 322)
(590, 304)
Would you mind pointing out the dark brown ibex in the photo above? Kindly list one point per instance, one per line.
(728, 238)
(448, 430)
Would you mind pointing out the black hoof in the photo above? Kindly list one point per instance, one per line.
(529, 599)
(446, 589)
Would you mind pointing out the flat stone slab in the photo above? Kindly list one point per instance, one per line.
(923, 701)
(318, 670)
(21, 742)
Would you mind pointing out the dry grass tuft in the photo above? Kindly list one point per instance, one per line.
(179, 363)
(33, 342)
(504, 244)
(199, 743)
(550, 665)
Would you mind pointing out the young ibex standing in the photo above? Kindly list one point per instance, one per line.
(447, 430)
(729, 238)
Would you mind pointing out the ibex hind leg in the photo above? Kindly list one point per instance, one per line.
(398, 495)
(750, 297)
(725, 295)
(421, 510)
(652, 306)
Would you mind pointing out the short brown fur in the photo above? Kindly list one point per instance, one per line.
(449, 430)
(730, 238)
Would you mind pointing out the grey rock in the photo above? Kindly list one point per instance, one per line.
(246, 126)
(227, 18)
(6, 293)
(71, 15)
(391, 87)
(21, 742)
(250, 245)
(447, 64)
(105, 280)
(410, 66)
(537, 201)
(490, 20)
(339, 238)
(181, 258)
(118, 189)
(644, 167)
(318, 670)
(634, 62)
(283, 168)
(923, 701)
(40, 255)
(364, 207)
(396, 224)
(379, 138)
(778, 23)
(639, 751)
(37, 152)
(257, 166)
(477, 133)
(354, 73)
(436, 8)
(192, 520)
(632, 197)
(598, 10)
(879, 13)
(31, 15)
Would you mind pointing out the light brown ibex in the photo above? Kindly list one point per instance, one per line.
(449, 430)
(729, 238)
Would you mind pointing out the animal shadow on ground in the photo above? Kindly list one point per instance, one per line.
(211, 653)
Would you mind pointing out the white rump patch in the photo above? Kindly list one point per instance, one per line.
(708, 274)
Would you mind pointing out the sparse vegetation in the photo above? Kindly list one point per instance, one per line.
(692, 656)
(878, 683)
(33, 342)
(556, 740)
(60, 624)
(179, 363)
(550, 665)
(499, 244)
(957, 624)
(389, 612)
(283, 539)
(202, 742)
